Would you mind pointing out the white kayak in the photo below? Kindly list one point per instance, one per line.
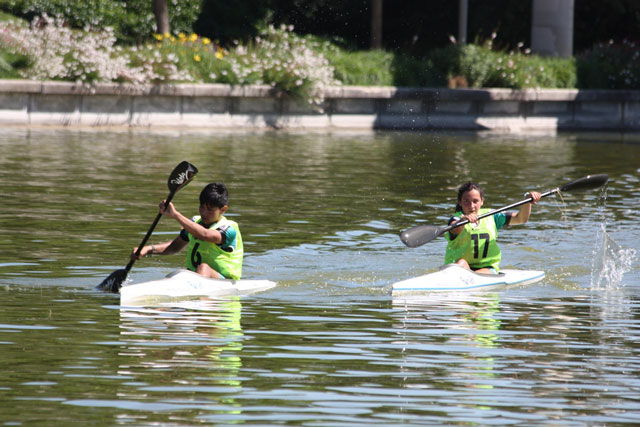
(453, 278)
(186, 284)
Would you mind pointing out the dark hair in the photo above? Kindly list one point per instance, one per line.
(215, 195)
(467, 186)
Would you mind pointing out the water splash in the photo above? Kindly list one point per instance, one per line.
(610, 262)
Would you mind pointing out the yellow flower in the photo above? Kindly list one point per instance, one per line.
(196, 58)
(158, 37)
(206, 41)
(182, 36)
(219, 54)
(193, 37)
(167, 35)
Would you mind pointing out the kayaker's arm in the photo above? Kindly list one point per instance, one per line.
(522, 216)
(167, 248)
(193, 228)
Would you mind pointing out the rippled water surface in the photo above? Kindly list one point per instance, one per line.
(320, 214)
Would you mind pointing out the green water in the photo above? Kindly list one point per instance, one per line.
(320, 214)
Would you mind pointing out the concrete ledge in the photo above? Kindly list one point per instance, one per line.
(25, 102)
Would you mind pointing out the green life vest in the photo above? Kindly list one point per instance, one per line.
(475, 244)
(229, 264)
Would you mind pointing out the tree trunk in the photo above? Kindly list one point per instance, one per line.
(376, 24)
(161, 13)
(463, 12)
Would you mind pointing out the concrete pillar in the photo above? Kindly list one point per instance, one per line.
(552, 27)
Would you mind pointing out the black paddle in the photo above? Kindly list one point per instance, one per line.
(421, 234)
(181, 176)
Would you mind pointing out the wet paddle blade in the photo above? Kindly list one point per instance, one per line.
(181, 176)
(420, 234)
(113, 283)
(588, 182)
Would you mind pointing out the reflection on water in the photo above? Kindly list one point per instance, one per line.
(320, 214)
(201, 341)
(472, 324)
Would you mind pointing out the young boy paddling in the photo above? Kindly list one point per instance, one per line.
(214, 242)
(473, 245)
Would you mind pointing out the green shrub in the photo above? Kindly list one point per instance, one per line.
(610, 66)
(284, 60)
(373, 67)
(57, 52)
(481, 66)
(11, 63)
(198, 56)
(132, 20)
(412, 71)
(298, 66)
(362, 68)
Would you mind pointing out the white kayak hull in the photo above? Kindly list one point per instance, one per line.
(453, 278)
(186, 284)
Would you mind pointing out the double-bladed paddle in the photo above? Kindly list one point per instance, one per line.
(421, 234)
(181, 176)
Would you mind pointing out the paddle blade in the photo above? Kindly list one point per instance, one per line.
(113, 283)
(181, 176)
(588, 182)
(420, 234)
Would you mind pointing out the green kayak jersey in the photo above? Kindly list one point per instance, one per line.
(225, 258)
(477, 243)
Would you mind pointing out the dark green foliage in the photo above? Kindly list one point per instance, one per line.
(132, 20)
(10, 63)
(418, 50)
(413, 27)
(480, 66)
(610, 66)
(227, 21)
(347, 20)
(597, 21)
(410, 71)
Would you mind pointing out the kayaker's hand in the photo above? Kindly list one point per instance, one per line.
(473, 218)
(535, 196)
(167, 210)
(143, 252)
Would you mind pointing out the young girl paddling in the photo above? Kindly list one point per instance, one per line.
(473, 245)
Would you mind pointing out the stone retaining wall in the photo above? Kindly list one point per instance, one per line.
(257, 107)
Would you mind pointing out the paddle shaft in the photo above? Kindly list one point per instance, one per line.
(493, 212)
(421, 234)
(146, 237)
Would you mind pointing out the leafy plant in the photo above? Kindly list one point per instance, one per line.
(55, 51)
(482, 66)
(284, 60)
(132, 21)
(297, 66)
(610, 66)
